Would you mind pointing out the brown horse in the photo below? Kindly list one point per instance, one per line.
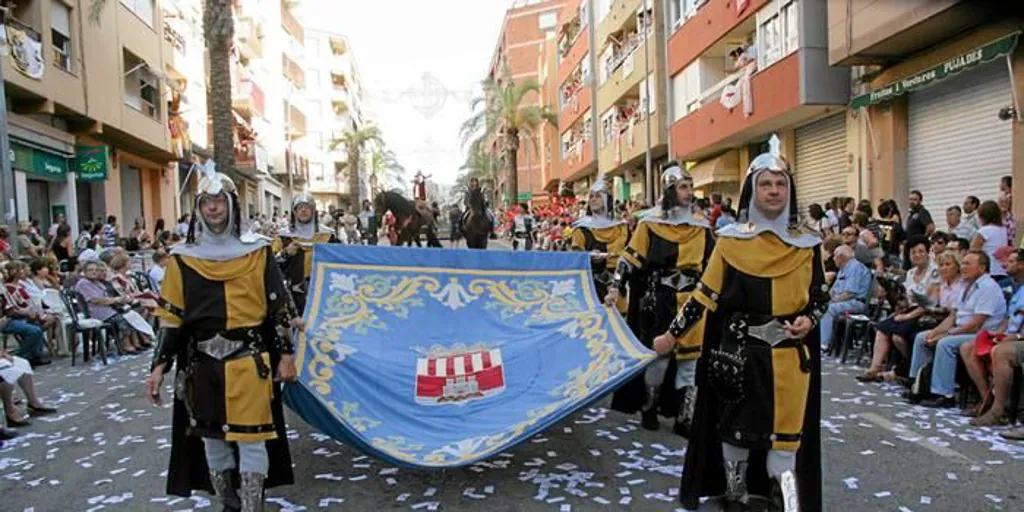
(410, 217)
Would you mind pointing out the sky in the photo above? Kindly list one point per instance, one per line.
(421, 63)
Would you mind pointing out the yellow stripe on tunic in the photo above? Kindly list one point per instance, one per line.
(247, 399)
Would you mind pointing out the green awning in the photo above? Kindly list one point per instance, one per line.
(39, 163)
(999, 48)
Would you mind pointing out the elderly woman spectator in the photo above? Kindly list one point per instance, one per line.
(22, 300)
(26, 244)
(102, 305)
(17, 370)
(991, 236)
(924, 284)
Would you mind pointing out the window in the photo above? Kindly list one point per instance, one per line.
(317, 170)
(313, 78)
(141, 87)
(61, 35)
(144, 9)
(547, 20)
(608, 125)
(584, 14)
(778, 32)
(653, 87)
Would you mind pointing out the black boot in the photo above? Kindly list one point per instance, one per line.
(687, 406)
(224, 489)
(649, 414)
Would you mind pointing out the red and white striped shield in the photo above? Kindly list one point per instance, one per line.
(459, 378)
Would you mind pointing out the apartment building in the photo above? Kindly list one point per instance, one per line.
(577, 97)
(87, 123)
(743, 70)
(333, 100)
(551, 165)
(939, 89)
(629, 68)
(526, 27)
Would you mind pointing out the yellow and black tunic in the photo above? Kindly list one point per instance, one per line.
(666, 261)
(611, 240)
(761, 397)
(298, 267)
(230, 396)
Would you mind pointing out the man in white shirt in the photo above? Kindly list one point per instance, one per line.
(981, 307)
(957, 227)
(970, 218)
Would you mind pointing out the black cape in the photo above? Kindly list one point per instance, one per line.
(703, 471)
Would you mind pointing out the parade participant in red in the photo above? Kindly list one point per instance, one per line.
(419, 186)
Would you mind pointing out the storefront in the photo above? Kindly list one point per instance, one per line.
(42, 184)
(952, 110)
(822, 161)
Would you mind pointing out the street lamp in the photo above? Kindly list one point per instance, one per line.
(648, 13)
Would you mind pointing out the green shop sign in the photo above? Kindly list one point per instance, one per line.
(525, 196)
(999, 48)
(91, 163)
(39, 163)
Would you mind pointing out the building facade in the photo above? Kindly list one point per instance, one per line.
(87, 123)
(525, 30)
(741, 71)
(938, 97)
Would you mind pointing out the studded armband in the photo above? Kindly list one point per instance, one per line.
(622, 272)
(166, 348)
(688, 316)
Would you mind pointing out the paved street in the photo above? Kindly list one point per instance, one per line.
(108, 448)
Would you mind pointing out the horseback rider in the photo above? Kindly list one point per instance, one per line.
(419, 186)
(474, 201)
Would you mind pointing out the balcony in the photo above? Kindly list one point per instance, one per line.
(292, 25)
(882, 33)
(293, 71)
(627, 73)
(249, 34)
(569, 34)
(622, 16)
(575, 104)
(782, 95)
(248, 98)
(579, 160)
(630, 145)
(295, 121)
(338, 46)
(715, 19)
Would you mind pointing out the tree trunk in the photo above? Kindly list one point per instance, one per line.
(353, 175)
(219, 29)
(512, 158)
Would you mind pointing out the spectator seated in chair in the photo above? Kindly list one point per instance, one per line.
(975, 354)
(922, 281)
(1007, 357)
(981, 307)
(23, 322)
(849, 294)
(105, 308)
(17, 370)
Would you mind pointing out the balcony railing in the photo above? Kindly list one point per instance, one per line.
(249, 33)
(248, 96)
(292, 25)
(293, 71)
(295, 120)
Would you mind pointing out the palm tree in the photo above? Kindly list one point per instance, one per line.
(502, 115)
(219, 33)
(384, 170)
(353, 140)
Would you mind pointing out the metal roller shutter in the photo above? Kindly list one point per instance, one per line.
(820, 161)
(957, 146)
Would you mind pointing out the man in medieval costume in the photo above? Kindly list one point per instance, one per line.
(661, 267)
(294, 248)
(419, 186)
(756, 440)
(602, 235)
(223, 306)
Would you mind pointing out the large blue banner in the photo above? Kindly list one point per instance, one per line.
(443, 357)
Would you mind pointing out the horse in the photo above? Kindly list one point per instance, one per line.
(476, 227)
(410, 217)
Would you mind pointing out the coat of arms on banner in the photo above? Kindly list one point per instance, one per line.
(459, 377)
